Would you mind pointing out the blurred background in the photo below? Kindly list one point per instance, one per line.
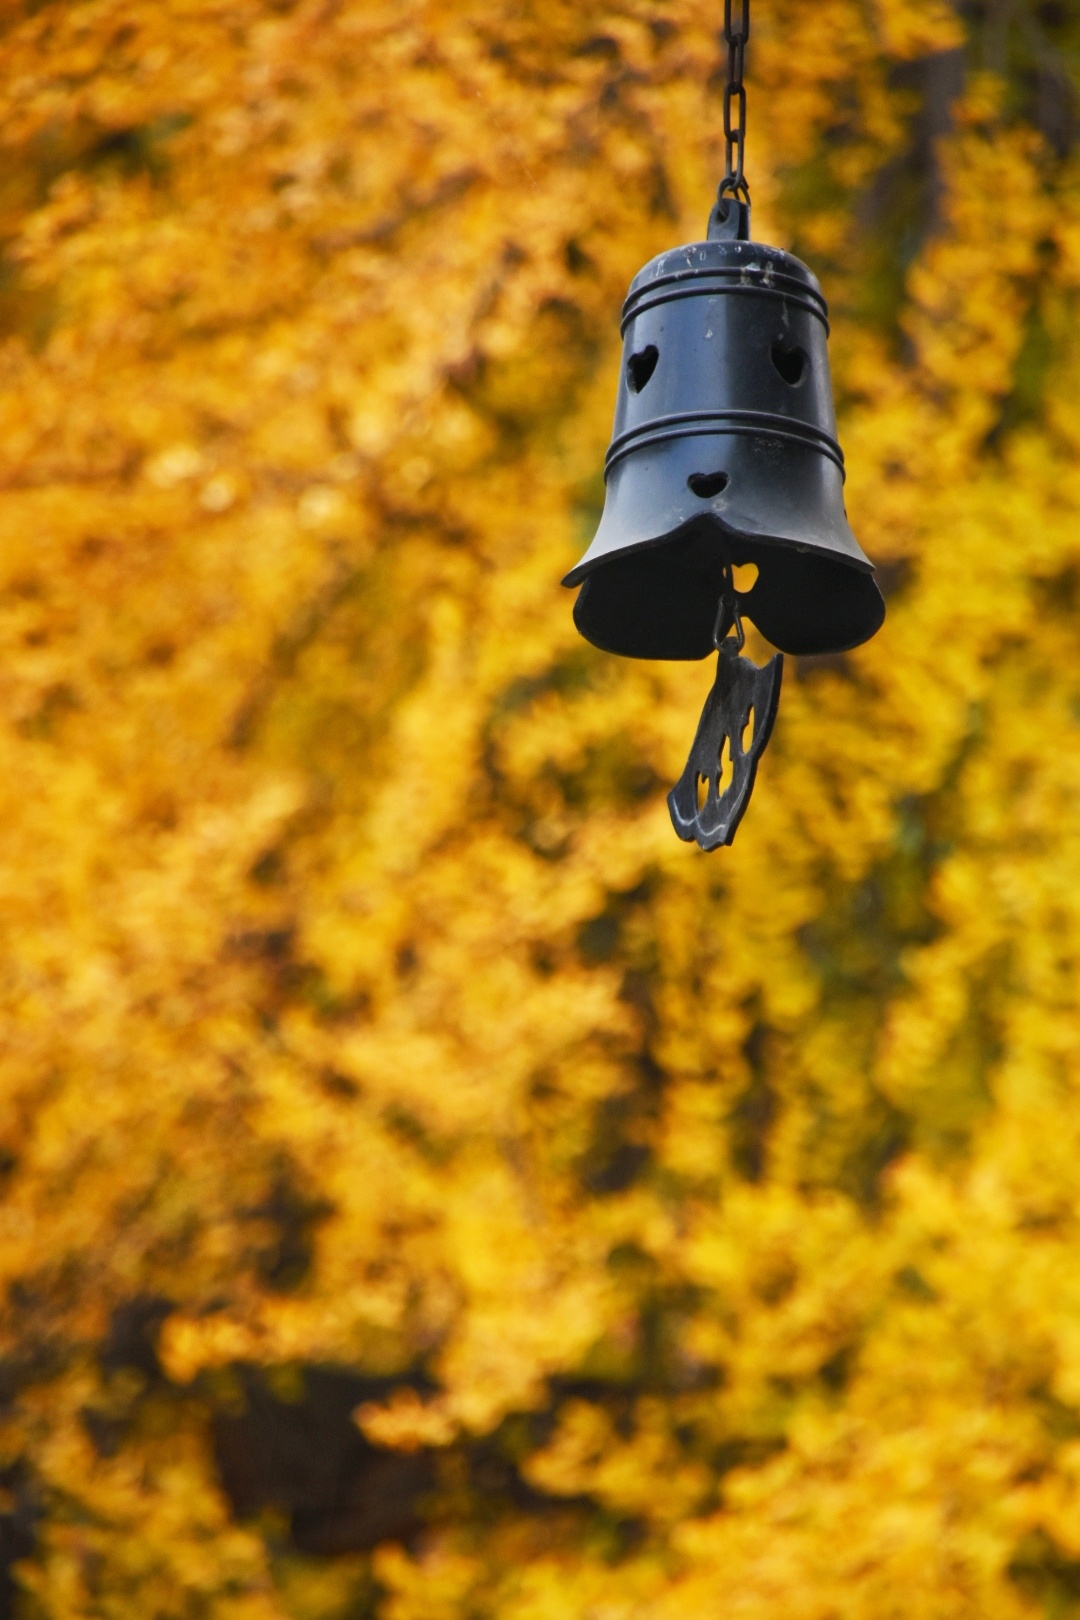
(428, 1190)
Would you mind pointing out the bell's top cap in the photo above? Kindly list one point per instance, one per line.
(724, 266)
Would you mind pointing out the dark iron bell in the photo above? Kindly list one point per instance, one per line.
(724, 452)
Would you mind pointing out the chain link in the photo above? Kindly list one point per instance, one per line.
(736, 36)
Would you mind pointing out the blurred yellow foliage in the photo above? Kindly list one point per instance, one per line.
(676, 1236)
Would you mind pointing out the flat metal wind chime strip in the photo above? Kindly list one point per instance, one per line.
(710, 798)
(724, 452)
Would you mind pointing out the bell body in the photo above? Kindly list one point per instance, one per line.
(724, 452)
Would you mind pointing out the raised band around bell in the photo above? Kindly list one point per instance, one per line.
(743, 279)
(693, 424)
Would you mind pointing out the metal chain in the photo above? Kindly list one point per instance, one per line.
(734, 180)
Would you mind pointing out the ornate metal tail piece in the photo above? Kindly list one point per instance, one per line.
(743, 696)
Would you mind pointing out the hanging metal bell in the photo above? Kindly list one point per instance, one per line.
(724, 452)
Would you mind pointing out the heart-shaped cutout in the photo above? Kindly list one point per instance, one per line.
(706, 485)
(790, 363)
(640, 367)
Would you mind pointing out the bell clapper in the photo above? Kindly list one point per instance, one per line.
(710, 798)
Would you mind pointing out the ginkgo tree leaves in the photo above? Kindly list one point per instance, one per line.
(685, 1234)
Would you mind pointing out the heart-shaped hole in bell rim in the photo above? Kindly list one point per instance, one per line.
(706, 485)
(640, 367)
(790, 363)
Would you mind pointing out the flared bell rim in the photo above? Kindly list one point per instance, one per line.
(770, 492)
(696, 525)
(657, 599)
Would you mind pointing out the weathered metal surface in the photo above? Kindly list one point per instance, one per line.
(724, 451)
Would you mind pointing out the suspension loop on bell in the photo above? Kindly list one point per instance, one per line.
(728, 616)
(736, 35)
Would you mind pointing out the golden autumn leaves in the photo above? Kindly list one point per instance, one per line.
(361, 1010)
